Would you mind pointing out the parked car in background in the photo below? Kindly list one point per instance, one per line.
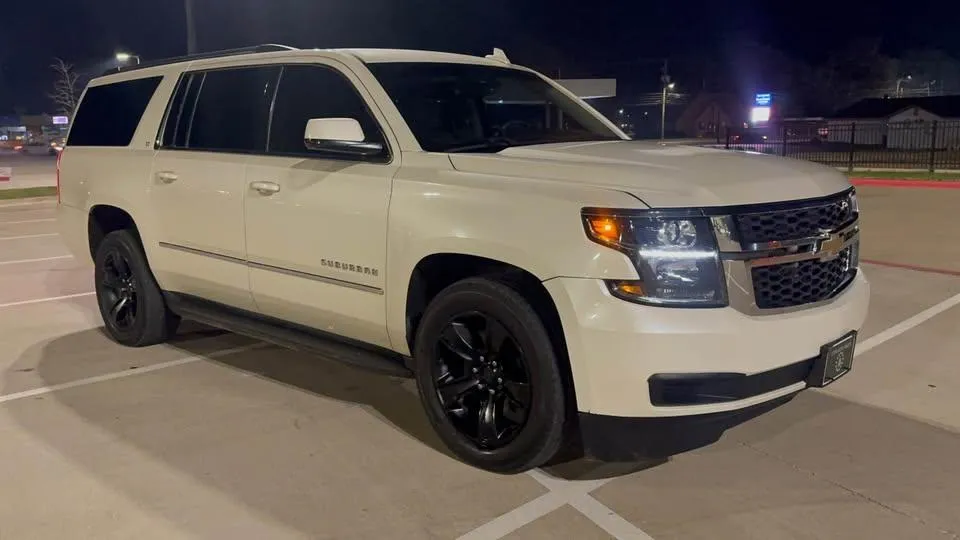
(57, 145)
(38, 148)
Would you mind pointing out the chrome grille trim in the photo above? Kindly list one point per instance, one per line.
(740, 259)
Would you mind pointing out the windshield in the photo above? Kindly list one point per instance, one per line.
(476, 108)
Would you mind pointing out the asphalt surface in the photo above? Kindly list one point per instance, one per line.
(219, 436)
(28, 164)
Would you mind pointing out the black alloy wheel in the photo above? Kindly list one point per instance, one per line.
(489, 376)
(482, 380)
(119, 290)
(132, 305)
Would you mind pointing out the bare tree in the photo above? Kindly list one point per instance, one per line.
(66, 90)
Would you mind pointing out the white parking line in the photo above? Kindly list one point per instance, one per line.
(126, 373)
(608, 520)
(45, 300)
(27, 221)
(44, 259)
(27, 236)
(517, 518)
(906, 325)
(573, 492)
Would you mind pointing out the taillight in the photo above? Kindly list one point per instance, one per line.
(59, 157)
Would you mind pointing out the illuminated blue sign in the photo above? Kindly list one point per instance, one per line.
(762, 100)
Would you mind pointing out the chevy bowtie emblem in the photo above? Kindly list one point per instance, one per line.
(829, 248)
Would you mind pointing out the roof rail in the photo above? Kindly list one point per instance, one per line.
(269, 47)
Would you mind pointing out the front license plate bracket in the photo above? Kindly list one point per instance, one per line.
(835, 361)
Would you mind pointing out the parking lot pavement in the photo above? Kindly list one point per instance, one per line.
(219, 436)
(916, 374)
(33, 257)
(911, 226)
(817, 468)
(212, 450)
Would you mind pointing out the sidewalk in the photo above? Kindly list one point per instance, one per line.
(30, 180)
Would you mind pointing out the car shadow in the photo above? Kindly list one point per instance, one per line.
(393, 400)
(613, 447)
(121, 417)
(648, 443)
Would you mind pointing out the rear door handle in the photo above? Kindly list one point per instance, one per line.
(167, 176)
(265, 188)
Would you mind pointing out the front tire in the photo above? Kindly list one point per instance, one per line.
(489, 378)
(132, 306)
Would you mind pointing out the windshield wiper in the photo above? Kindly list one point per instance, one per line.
(495, 143)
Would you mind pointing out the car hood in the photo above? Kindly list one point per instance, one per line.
(663, 176)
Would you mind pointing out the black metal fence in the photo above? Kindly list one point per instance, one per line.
(930, 145)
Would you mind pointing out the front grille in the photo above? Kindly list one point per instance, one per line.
(795, 223)
(804, 282)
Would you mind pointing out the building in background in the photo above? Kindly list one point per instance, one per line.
(708, 115)
(32, 128)
(903, 123)
(12, 132)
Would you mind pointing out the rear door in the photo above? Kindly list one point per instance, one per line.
(217, 119)
(317, 241)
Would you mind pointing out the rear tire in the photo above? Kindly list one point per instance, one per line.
(488, 377)
(131, 304)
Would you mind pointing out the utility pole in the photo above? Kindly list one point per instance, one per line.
(666, 85)
(191, 27)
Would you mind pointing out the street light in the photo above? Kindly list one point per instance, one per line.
(900, 82)
(126, 57)
(191, 27)
(663, 110)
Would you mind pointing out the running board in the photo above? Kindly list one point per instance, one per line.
(289, 335)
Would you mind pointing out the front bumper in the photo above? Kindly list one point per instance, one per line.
(617, 438)
(627, 359)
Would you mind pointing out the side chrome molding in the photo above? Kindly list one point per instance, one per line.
(271, 268)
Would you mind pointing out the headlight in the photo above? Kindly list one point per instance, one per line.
(674, 253)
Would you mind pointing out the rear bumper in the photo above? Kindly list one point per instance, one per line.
(629, 360)
(72, 224)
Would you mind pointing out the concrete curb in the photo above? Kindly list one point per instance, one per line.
(30, 180)
(914, 267)
(904, 183)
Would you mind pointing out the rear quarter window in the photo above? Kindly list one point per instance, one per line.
(109, 114)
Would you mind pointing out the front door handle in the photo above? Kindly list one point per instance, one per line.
(167, 177)
(265, 188)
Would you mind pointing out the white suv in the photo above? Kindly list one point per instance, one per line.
(467, 222)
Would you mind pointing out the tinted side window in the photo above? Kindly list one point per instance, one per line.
(232, 110)
(186, 113)
(176, 110)
(307, 92)
(110, 113)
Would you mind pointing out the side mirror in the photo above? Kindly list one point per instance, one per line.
(341, 136)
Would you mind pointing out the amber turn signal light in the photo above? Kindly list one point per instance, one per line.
(606, 229)
(627, 289)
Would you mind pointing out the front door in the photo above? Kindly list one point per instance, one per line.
(216, 120)
(317, 224)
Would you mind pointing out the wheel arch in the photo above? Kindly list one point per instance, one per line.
(104, 218)
(435, 271)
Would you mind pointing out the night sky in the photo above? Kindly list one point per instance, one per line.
(588, 38)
